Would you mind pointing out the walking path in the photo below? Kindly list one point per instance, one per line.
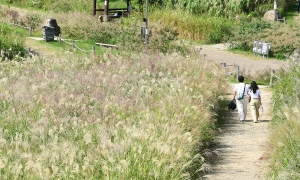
(240, 148)
(251, 64)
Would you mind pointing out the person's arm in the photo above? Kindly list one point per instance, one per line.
(234, 94)
(259, 99)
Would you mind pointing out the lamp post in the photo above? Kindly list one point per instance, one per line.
(275, 13)
(146, 28)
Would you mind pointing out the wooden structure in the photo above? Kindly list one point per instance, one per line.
(107, 11)
(107, 45)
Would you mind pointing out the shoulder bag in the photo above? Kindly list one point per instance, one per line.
(241, 95)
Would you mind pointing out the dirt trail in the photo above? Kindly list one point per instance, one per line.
(240, 148)
(218, 54)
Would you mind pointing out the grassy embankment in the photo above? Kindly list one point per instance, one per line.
(284, 153)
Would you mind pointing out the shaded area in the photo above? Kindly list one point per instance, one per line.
(239, 148)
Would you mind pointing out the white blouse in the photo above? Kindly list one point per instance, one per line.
(254, 95)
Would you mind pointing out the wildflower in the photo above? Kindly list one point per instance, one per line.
(2, 164)
(87, 138)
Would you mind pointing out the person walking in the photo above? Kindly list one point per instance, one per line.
(254, 99)
(240, 95)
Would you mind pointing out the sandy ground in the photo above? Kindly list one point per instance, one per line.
(239, 149)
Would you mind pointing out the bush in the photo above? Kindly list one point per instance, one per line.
(124, 32)
(283, 38)
(11, 41)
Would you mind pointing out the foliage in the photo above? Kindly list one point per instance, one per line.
(118, 116)
(30, 19)
(11, 41)
(124, 32)
(227, 8)
(284, 139)
(283, 38)
(189, 26)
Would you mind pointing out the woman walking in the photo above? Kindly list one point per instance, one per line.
(254, 100)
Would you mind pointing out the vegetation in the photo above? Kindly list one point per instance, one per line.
(239, 25)
(81, 117)
(284, 39)
(204, 28)
(285, 127)
(110, 117)
(11, 42)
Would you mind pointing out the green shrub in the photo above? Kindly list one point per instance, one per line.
(11, 41)
(124, 32)
(284, 39)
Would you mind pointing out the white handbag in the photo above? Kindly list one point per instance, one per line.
(261, 111)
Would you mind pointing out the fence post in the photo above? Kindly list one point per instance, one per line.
(59, 39)
(271, 78)
(93, 51)
(30, 30)
(28, 51)
(73, 44)
(237, 72)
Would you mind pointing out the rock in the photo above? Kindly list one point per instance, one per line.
(52, 23)
(269, 15)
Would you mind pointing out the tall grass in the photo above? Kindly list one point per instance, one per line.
(189, 26)
(128, 116)
(285, 137)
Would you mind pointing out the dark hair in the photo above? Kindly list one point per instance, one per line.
(241, 78)
(254, 87)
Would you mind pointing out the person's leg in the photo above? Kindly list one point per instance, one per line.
(245, 101)
(240, 107)
(256, 109)
(253, 112)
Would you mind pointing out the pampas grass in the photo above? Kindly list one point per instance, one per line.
(141, 117)
(284, 138)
